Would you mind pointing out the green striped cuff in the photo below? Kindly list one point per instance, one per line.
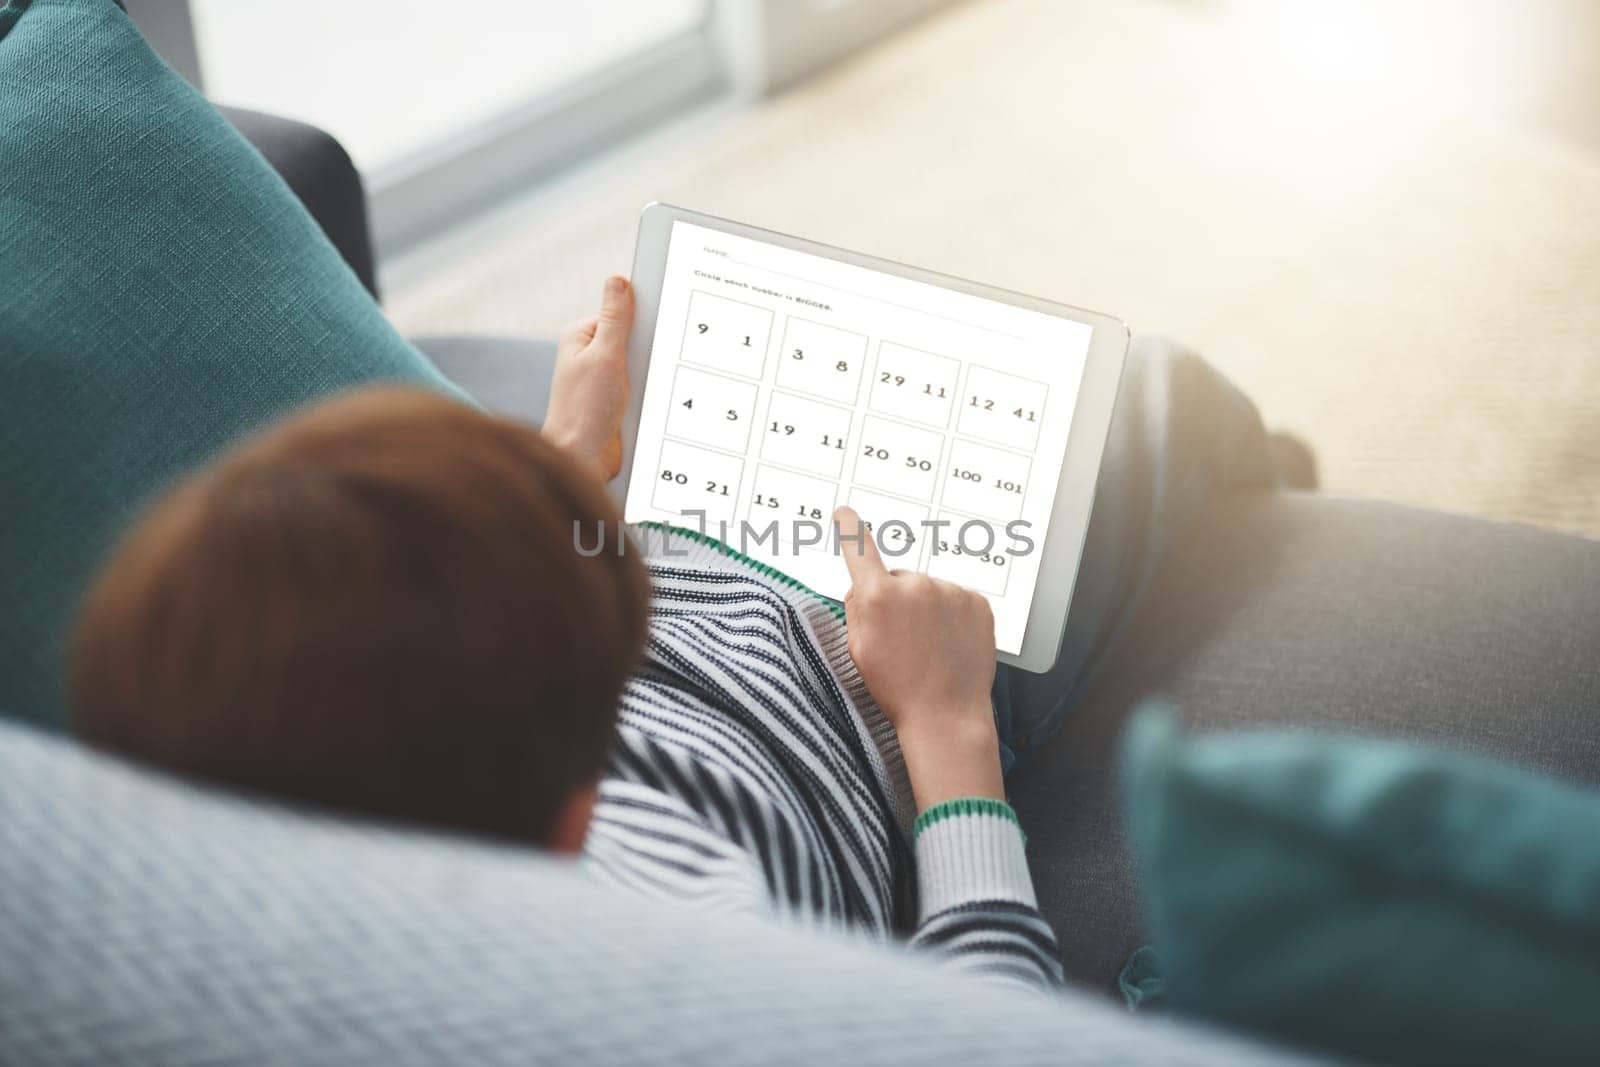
(950, 809)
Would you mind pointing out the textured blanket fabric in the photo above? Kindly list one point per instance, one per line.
(142, 922)
(164, 292)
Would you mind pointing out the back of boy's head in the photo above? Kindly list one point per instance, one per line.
(377, 607)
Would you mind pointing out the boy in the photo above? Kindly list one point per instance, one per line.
(379, 607)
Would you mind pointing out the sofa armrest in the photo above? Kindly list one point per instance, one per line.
(508, 376)
(320, 172)
(1305, 611)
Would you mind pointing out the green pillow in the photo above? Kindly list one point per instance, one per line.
(163, 292)
(1373, 899)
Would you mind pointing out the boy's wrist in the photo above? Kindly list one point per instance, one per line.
(562, 433)
(577, 445)
(954, 757)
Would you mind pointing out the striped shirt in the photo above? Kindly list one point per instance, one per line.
(753, 773)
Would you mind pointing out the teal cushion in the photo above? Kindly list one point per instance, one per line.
(1373, 899)
(163, 292)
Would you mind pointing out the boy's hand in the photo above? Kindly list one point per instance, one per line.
(925, 649)
(589, 393)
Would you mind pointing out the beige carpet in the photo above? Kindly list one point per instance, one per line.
(1418, 295)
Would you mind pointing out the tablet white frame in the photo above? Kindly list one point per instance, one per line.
(1091, 421)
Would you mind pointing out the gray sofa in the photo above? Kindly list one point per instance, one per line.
(153, 923)
(1279, 609)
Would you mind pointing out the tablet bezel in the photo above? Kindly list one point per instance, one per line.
(1091, 420)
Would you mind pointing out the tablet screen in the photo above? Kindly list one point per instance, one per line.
(782, 384)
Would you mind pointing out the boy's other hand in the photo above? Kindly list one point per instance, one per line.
(925, 649)
(589, 393)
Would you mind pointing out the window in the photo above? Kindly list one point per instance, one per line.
(448, 107)
(395, 79)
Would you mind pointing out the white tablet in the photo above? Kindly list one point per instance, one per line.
(774, 379)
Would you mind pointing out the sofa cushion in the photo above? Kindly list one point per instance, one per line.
(164, 292)
(1389, 902)
(1308, 611)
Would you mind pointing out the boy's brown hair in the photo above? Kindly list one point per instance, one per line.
(376, 607)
